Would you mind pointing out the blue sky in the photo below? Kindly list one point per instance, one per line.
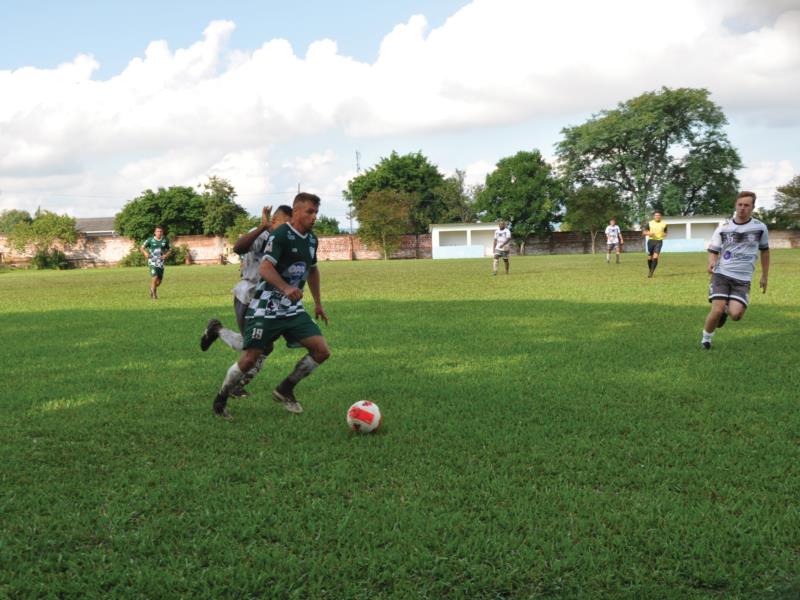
(101, 100)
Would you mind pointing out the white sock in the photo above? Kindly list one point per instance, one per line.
(494, 265)
(231, 338)
(233, 378)
(707, 336)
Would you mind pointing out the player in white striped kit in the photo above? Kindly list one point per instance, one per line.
(732, 258)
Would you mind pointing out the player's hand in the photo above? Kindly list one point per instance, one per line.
(710, 269)
(319, 313)
(763, 285)
(294, 294)
(266, 215)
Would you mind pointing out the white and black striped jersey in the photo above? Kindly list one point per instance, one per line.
(737, 245)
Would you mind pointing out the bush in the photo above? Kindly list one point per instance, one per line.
(50, 259)
(179, 254)
(134, 258)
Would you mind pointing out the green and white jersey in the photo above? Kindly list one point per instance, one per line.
(293, 254)
(157, 249)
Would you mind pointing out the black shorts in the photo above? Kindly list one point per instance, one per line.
(654, 246)
(723, 287)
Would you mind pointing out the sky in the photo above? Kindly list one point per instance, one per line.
(101, 100)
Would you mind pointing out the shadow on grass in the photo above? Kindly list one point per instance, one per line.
(506, 348)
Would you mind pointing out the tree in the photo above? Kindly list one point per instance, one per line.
(457, 199)
(326, 226)
(241, 225)
(665, 146)
(180, 210)
(524, 191)
(591, 208)
(221, 210)
(786, 213)
(410, 174)
(11, 217)
(383, 217)
(42, 232)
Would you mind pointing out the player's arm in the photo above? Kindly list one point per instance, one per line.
(764, 270)
(243, 244)
(666, 230)
(314, 286)
(169, 251)
(145, 250)
(713, 256)
(621, 241)
(270, 274)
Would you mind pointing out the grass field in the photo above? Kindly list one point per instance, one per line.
(557, 433)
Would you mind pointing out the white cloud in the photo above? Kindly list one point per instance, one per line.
(764, 176)
(477, 171)
(172, 116)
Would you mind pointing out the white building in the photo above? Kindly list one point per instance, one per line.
(462, 240)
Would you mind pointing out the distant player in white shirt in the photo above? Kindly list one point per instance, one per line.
(613, 240)
(732, 256)
(501, 246)
(251, 247)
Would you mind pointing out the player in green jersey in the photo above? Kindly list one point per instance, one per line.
(157, 249)
(277, 309)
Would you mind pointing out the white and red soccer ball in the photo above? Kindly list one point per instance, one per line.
(364, 416)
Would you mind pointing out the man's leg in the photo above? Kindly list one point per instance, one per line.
(240, 392)
(655, 263)
(153, 285)
(505, 260)
(712, 320)
(495, 264)
(318, 353)
(233, 378)
(608, 254)
(619, 251)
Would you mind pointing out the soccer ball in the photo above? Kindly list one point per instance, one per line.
(364, 416)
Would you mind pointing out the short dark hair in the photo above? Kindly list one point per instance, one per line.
(285, 209)
(161, 227)
(745, 194)
(306, 197)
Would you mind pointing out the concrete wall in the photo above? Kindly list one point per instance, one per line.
(109, 250)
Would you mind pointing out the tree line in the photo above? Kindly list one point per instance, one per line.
(663, 150)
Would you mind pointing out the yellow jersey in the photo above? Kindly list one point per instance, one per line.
(657, 229)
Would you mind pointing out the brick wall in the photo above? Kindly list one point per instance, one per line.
(106, 251)
(349, 247)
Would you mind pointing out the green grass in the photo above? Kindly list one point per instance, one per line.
(556, 433)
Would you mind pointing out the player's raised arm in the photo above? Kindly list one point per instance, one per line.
(245, 241)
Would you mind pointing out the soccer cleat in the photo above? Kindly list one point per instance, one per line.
(706, 345)
(220, 407)
(723, 318)
(290, 403)
(210, 334)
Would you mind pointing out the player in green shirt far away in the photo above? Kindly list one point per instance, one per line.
(290, 259)
(157, 249)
